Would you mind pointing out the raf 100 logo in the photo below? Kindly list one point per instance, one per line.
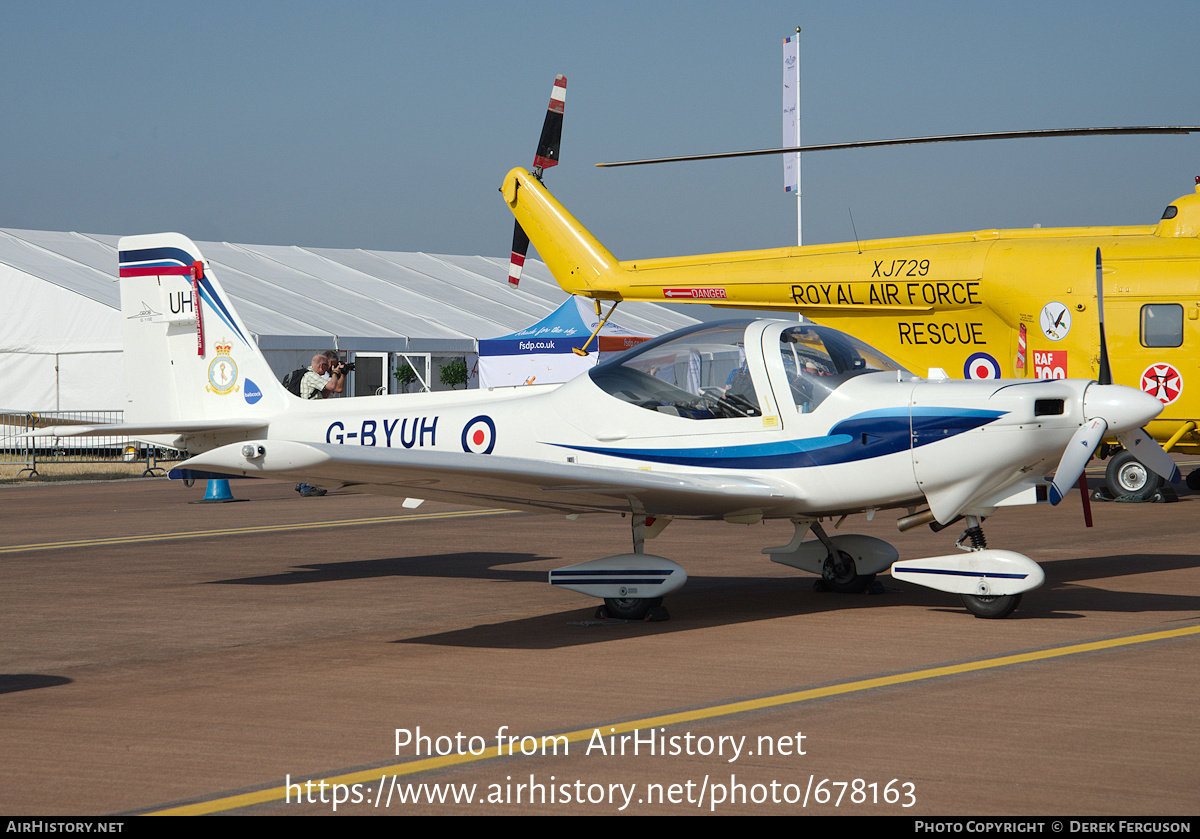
(1051, 364)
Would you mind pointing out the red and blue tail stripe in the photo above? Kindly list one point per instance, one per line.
(154, 262)
(149, 262)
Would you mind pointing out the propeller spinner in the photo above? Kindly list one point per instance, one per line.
(547, 155)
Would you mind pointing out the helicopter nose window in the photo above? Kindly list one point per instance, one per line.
(700, 374)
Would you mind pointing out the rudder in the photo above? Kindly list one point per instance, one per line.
(188, 356)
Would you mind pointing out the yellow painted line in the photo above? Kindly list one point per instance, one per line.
(249, 799)
(245, 531)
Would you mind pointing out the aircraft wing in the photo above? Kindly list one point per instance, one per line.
(131, 429)
(488, 480)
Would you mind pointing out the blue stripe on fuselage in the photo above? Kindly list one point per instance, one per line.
(860, 437)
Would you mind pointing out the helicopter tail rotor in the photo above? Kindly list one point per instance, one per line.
(547, 155)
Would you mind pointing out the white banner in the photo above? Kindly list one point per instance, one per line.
(791, 112)
(512, 370)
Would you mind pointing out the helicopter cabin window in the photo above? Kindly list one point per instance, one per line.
(701, 374)
(818, 360)
(1162, 325)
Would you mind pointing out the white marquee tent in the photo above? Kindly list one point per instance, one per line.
(60, 334)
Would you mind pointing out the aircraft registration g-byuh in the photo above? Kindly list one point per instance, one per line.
(986, 304)
(741, 420)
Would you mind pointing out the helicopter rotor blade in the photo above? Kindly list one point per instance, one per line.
(549, 144)
(551, 140)
(516, 262)
(940, 138)
(1105, 374)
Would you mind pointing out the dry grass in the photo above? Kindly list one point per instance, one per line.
(11, 472)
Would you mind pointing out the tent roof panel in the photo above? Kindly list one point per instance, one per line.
(406, 297)
(418, 301)
(54, 257)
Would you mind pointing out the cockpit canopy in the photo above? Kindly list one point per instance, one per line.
(817, 360)
(704, 372)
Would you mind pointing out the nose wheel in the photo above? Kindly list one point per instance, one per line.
(996, 606)
(984, 605)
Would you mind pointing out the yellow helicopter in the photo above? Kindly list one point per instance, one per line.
(983, 304)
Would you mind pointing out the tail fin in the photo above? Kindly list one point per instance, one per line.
(576, 259)
(188, 356)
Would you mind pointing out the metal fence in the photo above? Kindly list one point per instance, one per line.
(32, 452)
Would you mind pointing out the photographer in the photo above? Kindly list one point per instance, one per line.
(343, 369)
(324, 378)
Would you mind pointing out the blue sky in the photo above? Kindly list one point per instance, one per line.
(391, 124)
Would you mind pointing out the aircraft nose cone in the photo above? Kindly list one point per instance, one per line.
(1123, 408)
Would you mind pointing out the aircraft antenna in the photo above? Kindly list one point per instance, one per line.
(855, 229)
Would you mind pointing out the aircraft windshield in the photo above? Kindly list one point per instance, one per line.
(700, 374)
(818, 359)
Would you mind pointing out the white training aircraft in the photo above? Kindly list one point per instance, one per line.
(740, 420)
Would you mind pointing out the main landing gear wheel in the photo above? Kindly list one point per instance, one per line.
(841, 575)
(1127, 476)
(630, 608)
(995, 606)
